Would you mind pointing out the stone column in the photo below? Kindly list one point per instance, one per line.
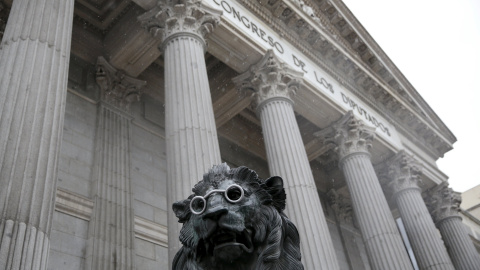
(190, 131)
(34, 58)
(402, 173)
(111, 229)
(444, 205)
(381, 236)
(274, 83)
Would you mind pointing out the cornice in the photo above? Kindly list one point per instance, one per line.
(318, 39)
(392, 67)
(352, 36)
(391, 74)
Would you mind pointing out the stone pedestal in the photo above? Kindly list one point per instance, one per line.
(444, 205)
(111, 229)
(381, 236)
(402, 174)
(34, 58)
(191, 134)
(273, 83)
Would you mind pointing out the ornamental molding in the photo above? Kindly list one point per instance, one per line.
(269, 79)
(443, 202)
(117, 88)
(186, 17)
(362, 72)
(81, 207)
(73, 204)
(349, 134)
(401, 172)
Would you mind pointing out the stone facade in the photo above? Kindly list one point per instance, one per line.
(111, 110)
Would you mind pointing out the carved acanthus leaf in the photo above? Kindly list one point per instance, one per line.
(270, 78)
(116, 87)
(170, 17)
(443, 202)
(401, 172)
(342, 207)
(349, 134)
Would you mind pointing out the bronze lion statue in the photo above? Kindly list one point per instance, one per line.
(234, 220)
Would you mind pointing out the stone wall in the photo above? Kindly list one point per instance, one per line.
(74, 202)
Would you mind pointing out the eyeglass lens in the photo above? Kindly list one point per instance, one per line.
(233, 194)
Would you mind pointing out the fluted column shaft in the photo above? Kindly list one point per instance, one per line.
(462, 251)
(34, 60)
(111, 229)
(111, 233)
(274, 83)
(427, 245)
(382, 239)
(287, 158)
(191, 134)
(401, 174)
(444, 205)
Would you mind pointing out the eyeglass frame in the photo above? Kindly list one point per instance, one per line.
(224, 191)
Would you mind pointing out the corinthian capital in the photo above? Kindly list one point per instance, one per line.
(342, 207)
(270, 78)
(443, 202)
(171, 17)
(401, 172)
(116, 87)
(349, 134)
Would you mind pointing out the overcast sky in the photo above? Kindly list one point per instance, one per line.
(436, 45)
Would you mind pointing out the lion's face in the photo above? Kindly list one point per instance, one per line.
(229, 221)
(226, 228)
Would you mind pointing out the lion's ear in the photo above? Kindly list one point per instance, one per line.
(274, 186)
(182, 210)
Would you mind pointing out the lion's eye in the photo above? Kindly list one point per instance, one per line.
(234, 193)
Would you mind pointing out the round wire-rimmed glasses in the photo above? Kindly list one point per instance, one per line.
(233, 194)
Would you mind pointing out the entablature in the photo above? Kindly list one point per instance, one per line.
(328, 33)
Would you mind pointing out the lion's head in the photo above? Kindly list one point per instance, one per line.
(234, 220)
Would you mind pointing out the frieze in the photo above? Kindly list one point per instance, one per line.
(263, 34)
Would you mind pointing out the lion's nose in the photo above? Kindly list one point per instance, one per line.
(215, 208)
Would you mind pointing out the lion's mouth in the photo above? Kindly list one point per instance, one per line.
(225, 239)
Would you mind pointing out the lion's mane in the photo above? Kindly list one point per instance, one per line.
(278, 235)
